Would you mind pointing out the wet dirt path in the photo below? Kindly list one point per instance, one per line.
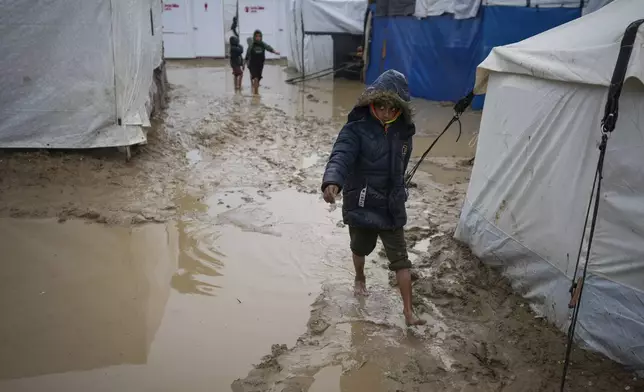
(180, 270)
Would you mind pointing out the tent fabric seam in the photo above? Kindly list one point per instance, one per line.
(478, 212)
(590, 271)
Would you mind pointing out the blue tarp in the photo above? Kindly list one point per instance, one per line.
(506, 25)
(439, 54)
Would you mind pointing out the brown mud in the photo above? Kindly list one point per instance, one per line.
(181, 268)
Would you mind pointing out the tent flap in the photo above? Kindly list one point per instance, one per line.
(312, 41)
(334, 16)
(134, 59)
(461, 9)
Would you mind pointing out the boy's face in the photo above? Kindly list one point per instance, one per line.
(385, 112)
(258, 37)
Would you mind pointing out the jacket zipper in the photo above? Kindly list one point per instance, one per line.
(363, 195)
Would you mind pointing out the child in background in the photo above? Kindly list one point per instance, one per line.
(237, 60)
(255, 58)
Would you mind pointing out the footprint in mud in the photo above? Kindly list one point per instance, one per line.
(263, 194)
(359, 337)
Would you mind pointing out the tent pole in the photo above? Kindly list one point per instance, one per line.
(302, 24)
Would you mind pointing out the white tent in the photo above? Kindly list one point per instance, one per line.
(588, 6)
(77, 73)
(312, 25)
(535, 163)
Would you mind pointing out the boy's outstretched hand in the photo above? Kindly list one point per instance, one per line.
(330, 193)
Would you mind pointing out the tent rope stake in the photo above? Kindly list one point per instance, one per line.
(608, 124)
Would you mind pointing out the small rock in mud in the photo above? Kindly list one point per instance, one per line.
(317, 326)
(90, 215)
(270, 361)
(263, 194)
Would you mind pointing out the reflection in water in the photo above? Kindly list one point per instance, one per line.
(113, 314)
(193, 262)
(196, 257)
(79, 296)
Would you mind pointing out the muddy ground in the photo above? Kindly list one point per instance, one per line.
(221, 218)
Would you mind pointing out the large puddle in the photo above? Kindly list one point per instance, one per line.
(189, 304)
(193, 303)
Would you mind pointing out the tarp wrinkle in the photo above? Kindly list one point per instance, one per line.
(535, 163)
(88, 63)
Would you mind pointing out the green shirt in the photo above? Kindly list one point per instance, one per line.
(257, 48)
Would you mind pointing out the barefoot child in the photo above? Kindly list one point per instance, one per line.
(255, 57)
(237, 60)
(368, 164)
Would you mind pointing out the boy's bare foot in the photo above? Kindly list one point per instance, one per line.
(412, 320)
(360, 287)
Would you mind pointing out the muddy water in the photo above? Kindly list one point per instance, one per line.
(320, 98)
(323, 98)
(192, 303)
(158, 307)
(440, 162)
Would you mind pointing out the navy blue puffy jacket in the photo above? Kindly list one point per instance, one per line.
(369, 160)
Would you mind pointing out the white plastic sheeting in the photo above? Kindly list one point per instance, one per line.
(461, 9)
(578, 51)
(465, 9)
(534, 169)
(71, 69)
(588, 5)
(334, 16)
(135, 52)
(594, 5)
(322, 18)
(230, 11)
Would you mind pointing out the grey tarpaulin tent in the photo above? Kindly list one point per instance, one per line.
(77, 73)
(312, 26)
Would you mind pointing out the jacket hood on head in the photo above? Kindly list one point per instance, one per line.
(258, 32)
(233, 40)
(391, 87)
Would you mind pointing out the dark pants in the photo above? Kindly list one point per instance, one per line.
(256, 69)
(363, 242)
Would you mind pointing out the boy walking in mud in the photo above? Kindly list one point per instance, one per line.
(237, 61)
(368, 163)
(255, 58)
